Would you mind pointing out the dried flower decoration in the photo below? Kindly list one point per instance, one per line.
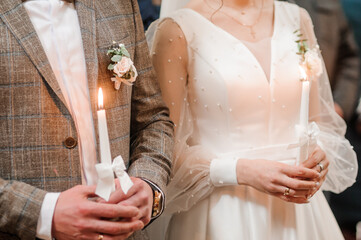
(310, 60)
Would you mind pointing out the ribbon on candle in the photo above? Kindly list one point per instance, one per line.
(307, 141)
(106, 183)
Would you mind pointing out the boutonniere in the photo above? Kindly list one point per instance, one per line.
(310, 59)
(122, 66)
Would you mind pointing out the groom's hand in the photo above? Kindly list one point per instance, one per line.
(140, 195)
(76, 217)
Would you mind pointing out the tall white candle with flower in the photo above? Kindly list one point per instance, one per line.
(310, 68)
(305, 99)
(106, 168)
(304, 110)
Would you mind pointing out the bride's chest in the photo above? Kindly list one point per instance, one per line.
(225, 72)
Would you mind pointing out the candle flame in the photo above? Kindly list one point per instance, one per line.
(100, 99)
(303, 74)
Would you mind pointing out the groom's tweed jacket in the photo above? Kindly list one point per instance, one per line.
(34, 120)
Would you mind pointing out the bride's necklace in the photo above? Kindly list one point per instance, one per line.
(249, 26)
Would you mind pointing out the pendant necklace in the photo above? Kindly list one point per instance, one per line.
(249, 26)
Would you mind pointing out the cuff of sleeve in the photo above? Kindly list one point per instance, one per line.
(43, 229)
(223, 172)
(162, 202)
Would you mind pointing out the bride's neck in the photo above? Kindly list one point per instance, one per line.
(246, 3)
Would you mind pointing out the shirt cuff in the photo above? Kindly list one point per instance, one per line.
(223, 172)
(45, 220)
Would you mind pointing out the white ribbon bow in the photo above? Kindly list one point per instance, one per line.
(106, 183)
(307, 141)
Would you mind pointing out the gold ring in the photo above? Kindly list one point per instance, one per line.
(286, 192)
(100, 237)
(321, 166)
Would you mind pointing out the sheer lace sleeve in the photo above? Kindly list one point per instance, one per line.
(343, 162)
(190, 179)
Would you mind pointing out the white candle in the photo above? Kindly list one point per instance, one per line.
(105, 155)
(304, 109)
(106, 168)
(304, 104)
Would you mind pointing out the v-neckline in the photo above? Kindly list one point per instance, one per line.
(241, 43)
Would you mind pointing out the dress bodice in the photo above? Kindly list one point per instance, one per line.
(233, 104)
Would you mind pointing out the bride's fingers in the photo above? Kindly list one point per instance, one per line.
(292, 199)
(317, 156)
(291, 192)
(317, 189)
(298, 184)
(300, 193)
(322, 177)
(325, 163)
(321, 181)
(300, 172)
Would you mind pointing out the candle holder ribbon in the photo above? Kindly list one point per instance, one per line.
(106, 183)
(307, 141)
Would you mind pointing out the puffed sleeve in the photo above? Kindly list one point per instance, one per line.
(343, 162)
(196, 171)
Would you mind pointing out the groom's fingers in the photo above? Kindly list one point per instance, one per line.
(105, 210)
(86, 191)
(74, 214)
(118, 195)
(141, 197)
(94, 236)
(118, 237)
(115, 228)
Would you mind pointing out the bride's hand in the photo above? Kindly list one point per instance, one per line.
(319, 162)
(289, 183)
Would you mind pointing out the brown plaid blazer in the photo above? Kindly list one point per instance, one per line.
(34, 121)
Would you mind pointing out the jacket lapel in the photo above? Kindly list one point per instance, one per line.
(14, 15)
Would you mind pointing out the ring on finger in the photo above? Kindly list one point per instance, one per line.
(100, 237)
(321, 166)
(287, 191)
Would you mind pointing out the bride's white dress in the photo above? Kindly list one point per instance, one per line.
(229, 107)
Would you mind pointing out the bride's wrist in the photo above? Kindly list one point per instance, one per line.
(242, 171)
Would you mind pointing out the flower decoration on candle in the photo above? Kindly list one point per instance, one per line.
(106, 168)
(122, 66)
(310, 60)
(310, 68)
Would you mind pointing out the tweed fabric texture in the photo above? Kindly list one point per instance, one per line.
(34, 120)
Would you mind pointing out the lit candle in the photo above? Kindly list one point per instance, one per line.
(305, 98)
(106, 168)
(105, 155)
(303, 124)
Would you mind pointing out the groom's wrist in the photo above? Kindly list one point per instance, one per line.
(158, 200)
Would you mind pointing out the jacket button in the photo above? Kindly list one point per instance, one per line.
(70, 143)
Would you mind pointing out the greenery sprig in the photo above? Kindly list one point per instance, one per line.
(301, 44)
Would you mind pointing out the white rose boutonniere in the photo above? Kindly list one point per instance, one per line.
(122, 66)
(310, 59)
